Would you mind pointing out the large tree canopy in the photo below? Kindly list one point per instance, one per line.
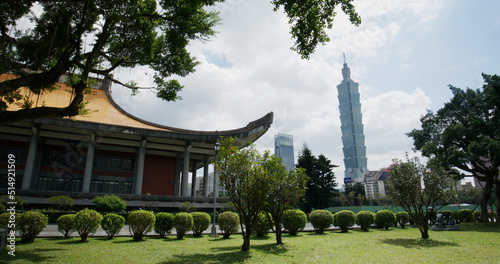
(321, 185)
(464, 135)
(42, 40)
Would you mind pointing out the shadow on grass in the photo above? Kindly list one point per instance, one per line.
(418, 243)
(231, 254)
(30, 256)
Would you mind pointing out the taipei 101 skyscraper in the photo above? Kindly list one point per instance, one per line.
(353, 138)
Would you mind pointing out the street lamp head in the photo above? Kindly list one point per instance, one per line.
(217, 145)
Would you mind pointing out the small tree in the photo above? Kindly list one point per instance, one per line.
(229, 223)
(405, 187)
(183, 222)
(365, 219)
(109, 203)
(287, 189)
(62, 202)
(30, 224)
(66, 224)
(87, 221)
(187, 207)
(112, 224)
(344, 219)
(201, 222)
(294, 220)
(246, 181)
(321, 220)
(140, 222)
(164, 223)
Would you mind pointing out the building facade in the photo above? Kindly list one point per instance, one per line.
(353, 138)
(374, 183)
(109, 151)
(283, 147)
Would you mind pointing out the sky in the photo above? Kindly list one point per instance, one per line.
(403, 55)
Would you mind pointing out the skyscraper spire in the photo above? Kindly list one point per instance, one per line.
(346, 72)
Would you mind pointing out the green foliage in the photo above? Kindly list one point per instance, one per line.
(321, 185)
(309, 21)
(344, 219)
(186, 207)
(62, 202)
(402, 218)
(54, 215)
(385, 218)
(405, 187)
(463, 135)
(229, 223)
(294, 220)
(365, 219)
(112, 224)
(321, 220)
(183, 222)
(16, 199)
(465, 215)
(164, 223)
(140, 222)
(87, 221)
(109, 203)
(201, 222)
(262, 224)
(476, 215)
(455, 215)
(30, 224)
(66, 224)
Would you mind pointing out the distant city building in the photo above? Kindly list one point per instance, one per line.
(200, 186)
(283, 147)
(353, 138)
(374, 183)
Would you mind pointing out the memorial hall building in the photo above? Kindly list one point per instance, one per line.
(110, 151)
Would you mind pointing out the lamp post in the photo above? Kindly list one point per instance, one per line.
(216, 189)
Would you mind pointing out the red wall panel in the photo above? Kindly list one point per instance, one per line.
(158, 172)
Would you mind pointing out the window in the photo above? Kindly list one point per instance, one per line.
(96, 186)
(114, 163)
(44, 183)
(99, 162)
(128, 165)
(126, 187)
(111, 187)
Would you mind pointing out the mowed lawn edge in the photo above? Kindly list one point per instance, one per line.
(473, 243)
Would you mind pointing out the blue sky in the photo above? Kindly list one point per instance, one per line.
(403, 56)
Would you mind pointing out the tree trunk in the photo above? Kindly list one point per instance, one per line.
(484, 201)
(279, 239)
(424, 230)
(246, 241)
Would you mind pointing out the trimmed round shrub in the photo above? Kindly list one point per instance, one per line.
(294, 220)
(402, 218)
(140, 222)
(201, 222)
(465, 215)
(229, 223)
(344, 219)
(455, 215)
(446, 214)
(109, 203)
(385, 218)
(183, 222)
(30, 224)
(321, 220)
(476, 215)
(164, 223)
(262, 225)
(62, 202)
(87, 221)
(365, 219)
(4, 220)
(112, 224)
(66, 224)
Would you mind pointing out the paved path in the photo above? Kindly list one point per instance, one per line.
(51, 231)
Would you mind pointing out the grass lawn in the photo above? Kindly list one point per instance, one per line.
(474, 243)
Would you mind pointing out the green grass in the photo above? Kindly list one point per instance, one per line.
(474, 243)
